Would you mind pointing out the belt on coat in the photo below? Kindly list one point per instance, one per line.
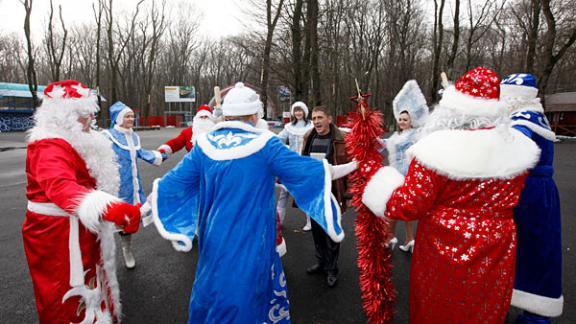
(48, 209)
(76, 266)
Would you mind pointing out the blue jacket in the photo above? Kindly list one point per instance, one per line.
(126, 145)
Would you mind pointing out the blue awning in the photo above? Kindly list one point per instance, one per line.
(21, 90)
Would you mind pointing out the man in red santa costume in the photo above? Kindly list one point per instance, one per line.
(71, 214)
(465, 177)
(202, 123)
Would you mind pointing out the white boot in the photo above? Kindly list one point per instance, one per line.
(308, 225)
(129, 260)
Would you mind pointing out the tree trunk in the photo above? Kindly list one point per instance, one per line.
(271, 25)
(297, 63)
(455, 40)
(314, 51)
(30, 71)
(533, 36)
(438, 35)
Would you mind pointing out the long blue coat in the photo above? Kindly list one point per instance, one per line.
(538, 282)
(126, 145)
(225, 189)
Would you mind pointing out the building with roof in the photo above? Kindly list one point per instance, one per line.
(560, 108)
(16, 106)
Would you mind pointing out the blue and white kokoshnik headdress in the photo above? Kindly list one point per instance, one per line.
(117, 112)
(411, 99)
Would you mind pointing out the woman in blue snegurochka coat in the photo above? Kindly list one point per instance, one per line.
(410, 111)
(126, 145)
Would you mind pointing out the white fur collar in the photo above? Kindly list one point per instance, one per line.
(94, 148)
(123, 130)
(500, 153)
(260, 138)
(526, 105)
(299, 129)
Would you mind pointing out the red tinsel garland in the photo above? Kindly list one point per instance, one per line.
(374, 258)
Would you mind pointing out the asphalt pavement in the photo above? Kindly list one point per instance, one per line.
(157, 291)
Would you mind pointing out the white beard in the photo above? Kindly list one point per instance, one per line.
(200, 126)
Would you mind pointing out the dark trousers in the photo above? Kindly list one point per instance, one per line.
(326, 250)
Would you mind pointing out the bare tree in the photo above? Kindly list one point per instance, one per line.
(272, 15)
(551, 42)
(55, 54)
(98, 19)
(437, 45)
(30, 71)
(455, 39)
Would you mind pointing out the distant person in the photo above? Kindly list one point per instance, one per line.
(203, 121)
(225, 186)
(538, 284)
(72, 211)
(293, 135)
(410, 110)
(128, 148)
(326, 142)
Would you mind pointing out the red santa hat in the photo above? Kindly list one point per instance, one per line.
(476, 93)
(204, 110)
(70, 95)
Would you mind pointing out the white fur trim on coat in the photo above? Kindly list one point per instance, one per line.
(472, 106)
(541, 305)
(509, 91)
(157, 158)
(180, 242)
(263, 136)
(92, 207)
(167, 149)
(500, 153)
(330, 200)
(546, 133)
(380, 188)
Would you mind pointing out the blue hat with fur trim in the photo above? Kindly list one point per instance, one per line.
(519, 86)
(117, 112)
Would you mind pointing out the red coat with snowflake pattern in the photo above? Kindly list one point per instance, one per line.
(464, 256)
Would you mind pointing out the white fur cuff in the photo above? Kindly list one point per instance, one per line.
(541, 305)
(166, 149)
(91, 208)
(157, 158)
(380, 188)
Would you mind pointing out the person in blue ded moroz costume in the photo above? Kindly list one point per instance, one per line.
(538, 282)
(224, 189)
(126, 145)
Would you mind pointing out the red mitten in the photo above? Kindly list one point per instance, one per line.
(124, 215)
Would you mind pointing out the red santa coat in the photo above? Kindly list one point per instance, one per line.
(70, 251)
(461, 186)
(184, 139)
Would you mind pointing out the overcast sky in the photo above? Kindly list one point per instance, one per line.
(217, 17)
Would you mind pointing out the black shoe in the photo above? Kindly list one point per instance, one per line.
(331, 280)
(314, 269)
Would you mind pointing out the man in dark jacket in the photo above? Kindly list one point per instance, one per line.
(325, 141)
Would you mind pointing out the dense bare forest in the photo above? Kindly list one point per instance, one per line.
(315, 48)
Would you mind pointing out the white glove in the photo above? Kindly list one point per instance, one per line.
(339, 171)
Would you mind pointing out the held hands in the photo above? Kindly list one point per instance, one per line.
(124, 215)
(163, 154)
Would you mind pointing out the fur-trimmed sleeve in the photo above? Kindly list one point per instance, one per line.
(416, 196)
(178, 142)
(51, 163)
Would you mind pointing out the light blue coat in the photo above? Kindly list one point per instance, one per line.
(126, 145)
